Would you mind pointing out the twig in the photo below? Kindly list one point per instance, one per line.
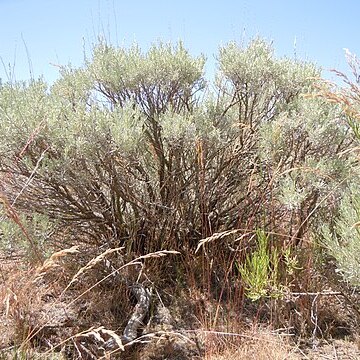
(28, 181)
(335, 352)
(223, 333)
(320, 293)
(314, 318)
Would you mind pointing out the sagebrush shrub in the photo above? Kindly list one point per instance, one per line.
(136, 149)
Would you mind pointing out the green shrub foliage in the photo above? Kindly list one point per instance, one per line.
(342, 239)
(136, 148)
(340, 235)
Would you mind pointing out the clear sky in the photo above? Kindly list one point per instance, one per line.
(38, 34)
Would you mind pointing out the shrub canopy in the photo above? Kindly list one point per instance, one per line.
(138, 149)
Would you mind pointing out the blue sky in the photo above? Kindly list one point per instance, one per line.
(37, 35)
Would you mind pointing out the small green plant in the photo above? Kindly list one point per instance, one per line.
(260, 272)
(291, 261)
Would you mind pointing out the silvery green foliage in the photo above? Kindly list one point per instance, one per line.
(187, 129)
(22, 109)
(164, 77)
(342, 238)
(73, 87)
(302, 146)
(290, 194)
(13, 238)
(261, 83)
(99, 149)
(341, 234)
(133, 147)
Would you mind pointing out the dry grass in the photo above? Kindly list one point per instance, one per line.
(258, 344)
(71, 299)
(33, 305)
(262, 344)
